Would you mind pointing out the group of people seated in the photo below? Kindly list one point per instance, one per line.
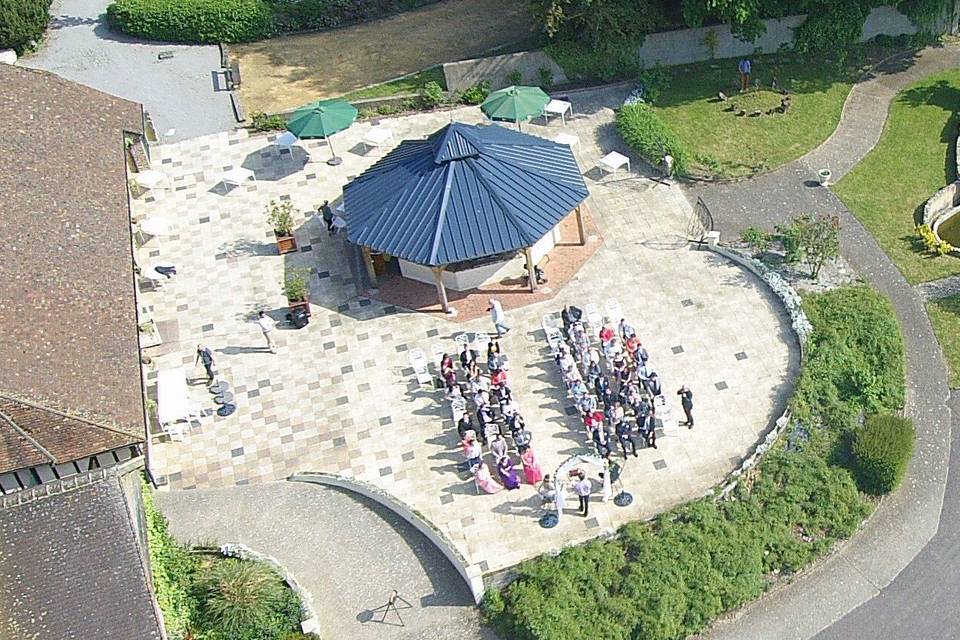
(496, 415)
(614, 386)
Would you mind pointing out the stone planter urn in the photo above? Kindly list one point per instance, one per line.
(824, 176)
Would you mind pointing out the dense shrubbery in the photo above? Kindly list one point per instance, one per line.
(668, 579)
(883, 447)
(216, 598)
(22, 22)
(313, 15)
(855, 364)
(649, 136)
(241, 20)
(200, 21)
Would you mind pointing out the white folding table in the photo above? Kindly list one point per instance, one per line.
(557, 108)
(151, 179)
(568, 139)
(613, 161)
(377, 137)
(238, 176)
(173, 398)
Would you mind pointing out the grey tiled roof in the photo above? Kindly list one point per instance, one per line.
(70, 568)
(68, 328)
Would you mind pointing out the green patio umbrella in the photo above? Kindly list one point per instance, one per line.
(515, 104)
(322, 119)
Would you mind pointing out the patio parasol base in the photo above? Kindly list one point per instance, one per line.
(335, 161)
(623, 499)
(549, 520)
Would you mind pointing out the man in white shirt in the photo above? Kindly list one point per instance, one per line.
(496, 315)
(266, 326)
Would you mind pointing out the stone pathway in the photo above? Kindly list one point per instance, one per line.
(939, 289)
(346, 551)
(908, 519)
(340, 396)
(178, 92)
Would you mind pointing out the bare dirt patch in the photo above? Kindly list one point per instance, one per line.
(283, 73)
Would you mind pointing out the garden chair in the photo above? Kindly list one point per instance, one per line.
(418, 360)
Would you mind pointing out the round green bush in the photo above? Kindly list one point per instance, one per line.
(883, 447)
(651, 137)
(192, 21)
(22, 22)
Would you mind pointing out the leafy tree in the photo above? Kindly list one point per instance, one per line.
(597, 22)
(22, 22)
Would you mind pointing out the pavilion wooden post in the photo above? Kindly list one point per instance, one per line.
(441, 290)
(368, 263)
(580, 227)
(531, 269)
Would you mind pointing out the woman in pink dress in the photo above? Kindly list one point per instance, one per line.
(481, 474)
(531, 468)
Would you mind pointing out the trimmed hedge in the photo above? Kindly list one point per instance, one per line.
(650, 136)
(883, 447)
(192, 21)
(315, 15)
(668, 579)
(22, 22)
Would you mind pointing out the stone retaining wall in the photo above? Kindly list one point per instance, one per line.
(495, 69)
(471, 574)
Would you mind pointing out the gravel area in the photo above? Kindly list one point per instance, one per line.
(179, 93)
(345, 550)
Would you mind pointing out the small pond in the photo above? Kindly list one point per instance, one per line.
(949, 230)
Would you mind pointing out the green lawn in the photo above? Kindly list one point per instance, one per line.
(409, 84)
(914, 158)
(945, 316)
(723, 143)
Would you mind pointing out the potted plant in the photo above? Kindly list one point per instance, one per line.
(824, 175)
(296, 286)
(280, 217)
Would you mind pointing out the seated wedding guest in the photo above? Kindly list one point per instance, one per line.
(648, 430)
(450, 379)
(569, 315)
(472, 450)
(464, 424)
(473, 372)
(498, 377)
(578, 389)
(601, 386)
(481, 398)
(653, 384)
(594, 371)
(564, 359)
(515, 421)
(467, 355)
(498, 447)
(642, 409)
(493, 349)
(593, 421)
(480, 383)
(446, 363)
(633, 396)
(607, 334)
(531, 468)
(522, 438)
(620, 368)
(504, 397)
(508, 473)
(481, 474)
(626, 330)
(587, 404)
(625, 436)
(617, 414)
(454, 392)
(641, 355)
(632, 345)
(600, 442)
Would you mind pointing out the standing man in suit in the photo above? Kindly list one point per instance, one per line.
(686, 401)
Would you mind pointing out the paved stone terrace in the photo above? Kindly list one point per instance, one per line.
(339, 396)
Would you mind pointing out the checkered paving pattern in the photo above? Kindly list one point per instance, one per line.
(339, 396)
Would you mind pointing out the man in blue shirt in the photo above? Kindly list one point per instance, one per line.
(745, 67)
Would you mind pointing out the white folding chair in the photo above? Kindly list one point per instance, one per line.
(176, 430)
(593, 316)
(480, 341)
(554, 338)
(614, 310)
(461, 339)
(418, 360)
(437, 351)
(457, 407)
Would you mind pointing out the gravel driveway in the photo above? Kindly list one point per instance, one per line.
(178, 93)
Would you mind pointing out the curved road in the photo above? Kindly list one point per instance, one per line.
(860, 592)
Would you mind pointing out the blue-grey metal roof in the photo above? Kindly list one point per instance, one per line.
(466, 192)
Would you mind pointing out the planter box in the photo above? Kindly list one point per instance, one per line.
(286, 244)
(305, 304)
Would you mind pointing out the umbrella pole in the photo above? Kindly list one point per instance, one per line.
(334, 160)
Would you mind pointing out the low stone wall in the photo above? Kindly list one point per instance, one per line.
(802, 329)
(309, 624)
(496, 69)
(471, 574)
(682, 46)
(940, 202)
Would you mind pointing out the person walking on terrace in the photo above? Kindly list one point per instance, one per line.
(686, 401)
(205, 356)
(498, 318)
(267, 326)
